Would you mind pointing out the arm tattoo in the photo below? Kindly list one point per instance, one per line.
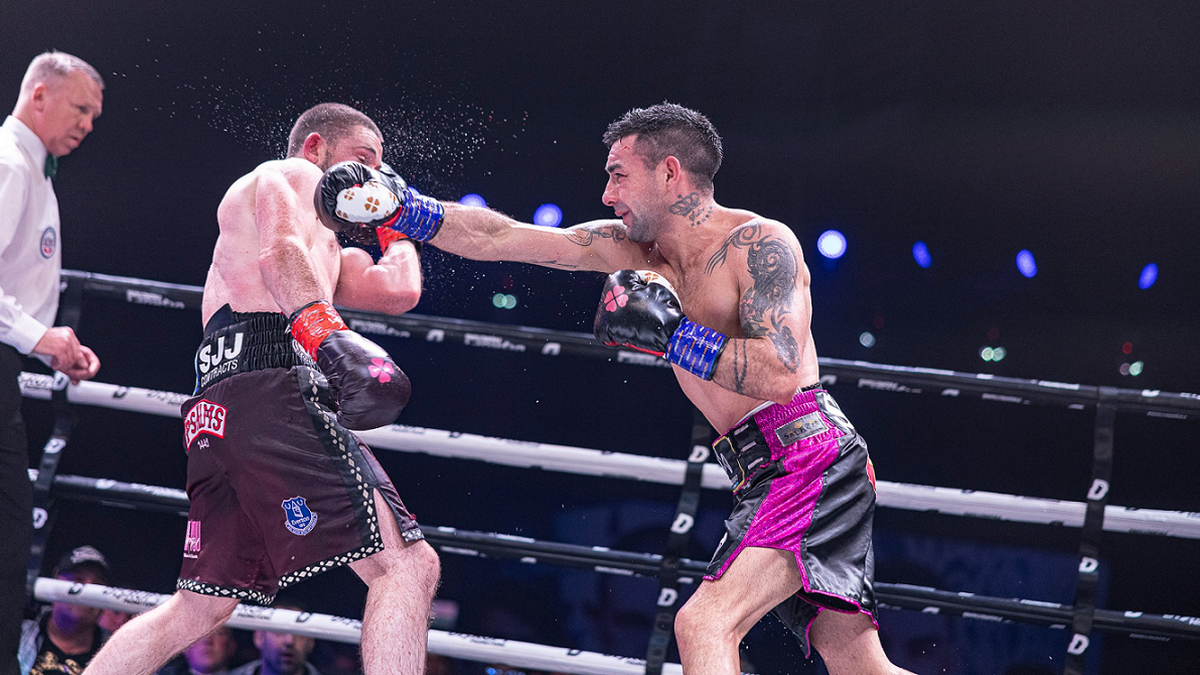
(740, 365)
(740, 239)
(774, 267)
(584, 236)
(553, 263)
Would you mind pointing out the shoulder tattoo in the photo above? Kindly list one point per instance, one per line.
(741, 239)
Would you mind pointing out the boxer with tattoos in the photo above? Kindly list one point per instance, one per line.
(798, 542)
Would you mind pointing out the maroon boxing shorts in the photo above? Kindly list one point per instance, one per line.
(803, 483)
(279, 490)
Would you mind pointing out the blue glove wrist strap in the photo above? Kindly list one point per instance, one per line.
(695, 348)
(419, 217)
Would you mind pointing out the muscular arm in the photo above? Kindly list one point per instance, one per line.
(283, 259)
(483, 234)
(774, 312)
(393, 286)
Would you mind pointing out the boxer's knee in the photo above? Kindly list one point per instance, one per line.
(196, 615)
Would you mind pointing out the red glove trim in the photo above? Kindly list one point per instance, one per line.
(387, 236)
(312, 323)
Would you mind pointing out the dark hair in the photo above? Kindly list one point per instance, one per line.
(669, 129)
(331, 120)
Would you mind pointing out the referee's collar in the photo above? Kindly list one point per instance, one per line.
(29, 141)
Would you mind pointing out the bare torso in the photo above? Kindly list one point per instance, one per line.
(235, 276)
(711, 295)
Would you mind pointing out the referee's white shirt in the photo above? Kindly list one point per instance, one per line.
(30, 250)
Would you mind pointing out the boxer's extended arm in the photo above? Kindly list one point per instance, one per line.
(283, 259)
(372, 206)
(482, 234)
(391, 286)
(775, 311)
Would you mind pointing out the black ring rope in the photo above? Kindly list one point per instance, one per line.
(837, 372)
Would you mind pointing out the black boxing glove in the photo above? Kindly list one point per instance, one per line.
(369, 388)
(639, 309)
(374, 207)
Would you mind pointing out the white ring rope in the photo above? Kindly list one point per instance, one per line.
(342, 629)
(584, 461)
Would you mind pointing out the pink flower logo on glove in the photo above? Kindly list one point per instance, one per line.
(381, 370)
(615, 298)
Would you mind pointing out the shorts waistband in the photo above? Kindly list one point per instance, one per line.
(745, 447)
(241, 342)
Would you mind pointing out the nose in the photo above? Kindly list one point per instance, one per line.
(85, 123)
(609, 197)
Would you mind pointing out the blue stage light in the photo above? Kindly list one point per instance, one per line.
(831, 244)
(921, 254)
(547, 215)
(473, 199)
(1026, 264)
(1148, 277)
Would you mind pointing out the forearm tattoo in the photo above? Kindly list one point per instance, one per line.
(774, 268)
(584, 236)
(740, 366)
(690, 206)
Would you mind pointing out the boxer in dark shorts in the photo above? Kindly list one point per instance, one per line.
(279, 490)
(803, 483)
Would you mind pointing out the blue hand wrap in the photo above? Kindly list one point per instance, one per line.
(419, 218)
(695, 348)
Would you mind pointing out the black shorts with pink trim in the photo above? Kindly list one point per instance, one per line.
(279, 490)
(803, 483)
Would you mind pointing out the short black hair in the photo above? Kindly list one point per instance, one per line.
(331, 120)
(670, 129)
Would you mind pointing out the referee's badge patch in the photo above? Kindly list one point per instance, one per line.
(49, 242)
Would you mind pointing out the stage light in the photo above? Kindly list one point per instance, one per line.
(831, 244)
(473, 199)
(1127, 348)
(510, 301)
(1124, 369)
(1136, 367)
(987, 353)
(866, 339)
(1148, 277)
(999, 353)
(498, 300)
(921, 254)
(547, 215)
(1026, 264)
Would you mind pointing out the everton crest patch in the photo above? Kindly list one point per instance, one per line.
(300, 520)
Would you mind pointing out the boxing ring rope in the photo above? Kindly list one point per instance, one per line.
(342, 629)
(624, 563)
(1092, 516)
(585, 461)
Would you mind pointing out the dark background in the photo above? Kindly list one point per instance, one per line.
(1069, 129)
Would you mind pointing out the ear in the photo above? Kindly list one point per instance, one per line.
(39, 94)
(673, 170)
(258, 634)
(314, 149)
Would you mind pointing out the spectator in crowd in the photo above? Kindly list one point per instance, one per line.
(282, 653)
(64, 638)
(210, 655)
